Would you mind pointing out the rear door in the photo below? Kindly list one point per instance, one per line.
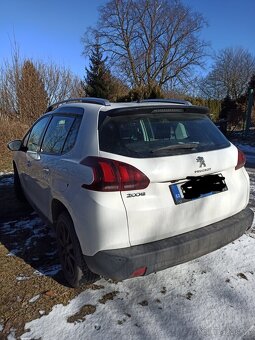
(176, 152)
(48, 170)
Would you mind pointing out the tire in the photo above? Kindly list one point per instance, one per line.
(73, 265)
(19, 193)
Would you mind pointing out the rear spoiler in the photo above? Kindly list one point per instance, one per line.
(145, 110)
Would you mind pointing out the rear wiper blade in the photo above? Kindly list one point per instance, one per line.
(177, 147)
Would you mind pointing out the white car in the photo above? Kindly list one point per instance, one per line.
(132, 188)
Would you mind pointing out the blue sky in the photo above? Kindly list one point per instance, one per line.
(51, 30)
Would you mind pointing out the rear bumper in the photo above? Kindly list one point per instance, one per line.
(119, 264)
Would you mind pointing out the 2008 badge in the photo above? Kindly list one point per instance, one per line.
(137, 194)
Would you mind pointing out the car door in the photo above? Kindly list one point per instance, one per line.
(32, 170)
(49, 170)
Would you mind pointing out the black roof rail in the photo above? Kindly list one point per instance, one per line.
(168, 100)
(90, 100)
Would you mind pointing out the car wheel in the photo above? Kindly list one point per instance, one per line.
(73, 265)
(17, 186)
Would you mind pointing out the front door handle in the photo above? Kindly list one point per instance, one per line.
(29, 164)
(46, 170)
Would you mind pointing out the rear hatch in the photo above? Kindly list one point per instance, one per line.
(191, 168)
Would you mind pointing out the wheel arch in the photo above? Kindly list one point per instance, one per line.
(57, 208)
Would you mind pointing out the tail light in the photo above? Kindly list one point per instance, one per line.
(112, 175)
(241, 160)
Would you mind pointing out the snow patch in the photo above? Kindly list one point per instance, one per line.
(5, 173)
(208, 298)
(48, 270)
(14, 252)
(11, 335)
(22, 277)
(34, 299)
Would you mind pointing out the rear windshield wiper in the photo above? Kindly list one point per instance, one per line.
(186, 146)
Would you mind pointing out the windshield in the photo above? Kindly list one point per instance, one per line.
(158, 135)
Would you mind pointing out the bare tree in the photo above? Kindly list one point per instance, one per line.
(230, 75)
(150, 43)
(56, 82)
(60, 83)
(9, 80)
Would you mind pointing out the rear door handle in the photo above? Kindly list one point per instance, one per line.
(46, 170)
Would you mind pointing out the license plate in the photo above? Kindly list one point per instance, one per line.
(197, 188)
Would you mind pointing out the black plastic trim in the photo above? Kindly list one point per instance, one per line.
(119, 264)
(90, 100)
(167, 100)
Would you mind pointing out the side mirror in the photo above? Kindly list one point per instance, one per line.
(14, 145)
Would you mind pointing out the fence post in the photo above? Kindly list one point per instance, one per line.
(248, 112)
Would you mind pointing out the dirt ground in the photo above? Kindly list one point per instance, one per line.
(31, 281)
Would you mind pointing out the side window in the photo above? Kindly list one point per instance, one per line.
(71, 138)
(56, 134)
(36, 133)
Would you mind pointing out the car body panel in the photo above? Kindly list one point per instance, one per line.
(100, 219)
(153, 215)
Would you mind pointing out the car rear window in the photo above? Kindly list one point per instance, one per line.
(159, 134)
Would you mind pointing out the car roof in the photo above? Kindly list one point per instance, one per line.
(104, 105)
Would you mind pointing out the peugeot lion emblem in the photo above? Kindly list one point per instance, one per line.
(201, 161)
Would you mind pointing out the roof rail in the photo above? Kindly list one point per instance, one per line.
(170, 101)
(90, 100)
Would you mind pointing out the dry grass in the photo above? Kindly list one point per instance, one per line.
(17, 308)
(9, 130)
(28, 248)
